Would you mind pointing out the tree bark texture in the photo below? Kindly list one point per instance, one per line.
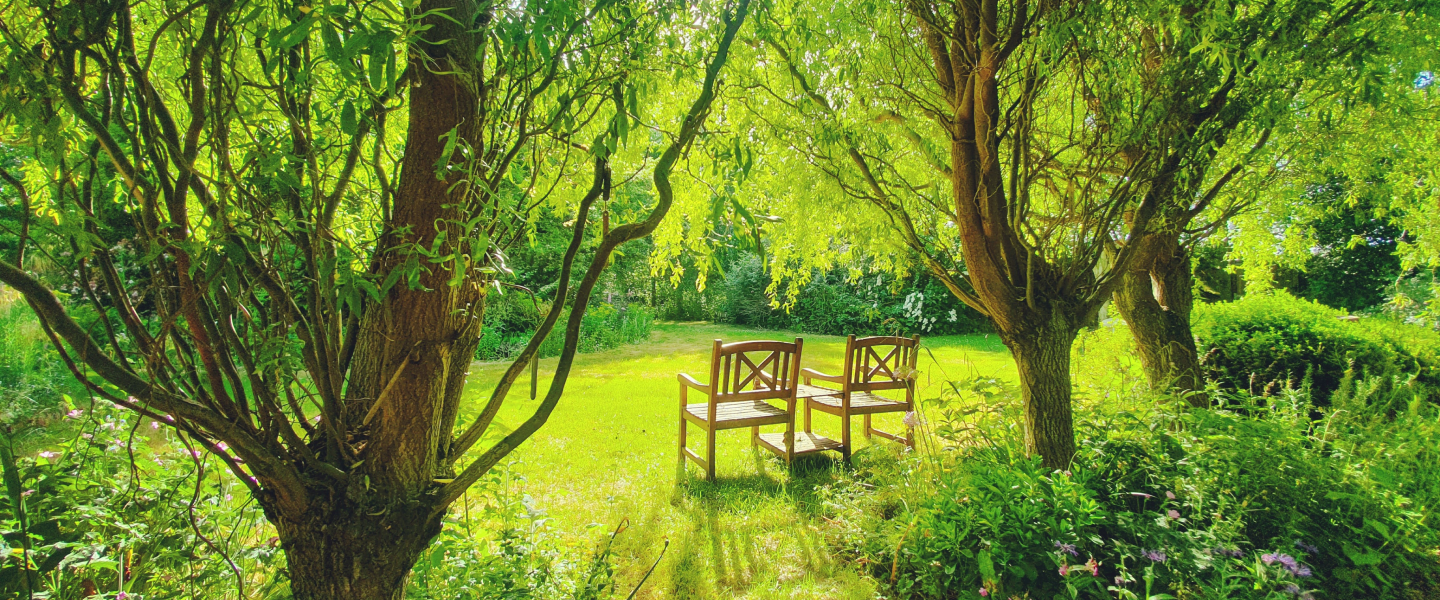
(1155, 298)
(1042, 356)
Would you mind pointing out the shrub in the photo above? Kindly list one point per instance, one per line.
(1246, 503)
(511, 320)
(1267, 342)
(834, 303)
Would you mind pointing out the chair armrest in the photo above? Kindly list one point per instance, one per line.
(686, 380)
(809, 373)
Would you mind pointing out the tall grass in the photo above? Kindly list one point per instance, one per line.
(33, 380)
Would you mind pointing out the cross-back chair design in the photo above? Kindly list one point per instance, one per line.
(872, 364)
(744, 378)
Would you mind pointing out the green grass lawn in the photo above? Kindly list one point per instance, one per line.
(609, 452)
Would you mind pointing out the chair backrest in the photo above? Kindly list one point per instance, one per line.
(769, 369)
(880, 362)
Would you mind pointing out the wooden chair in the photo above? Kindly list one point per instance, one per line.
(872, 364)
(771, 371)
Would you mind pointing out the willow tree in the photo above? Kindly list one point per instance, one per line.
(1279, 68)
(972, 135)
(321, 197)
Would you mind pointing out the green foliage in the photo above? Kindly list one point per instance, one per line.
(835, 303)
(32, 377)
(511, 553)
(511, 321)
(1267, 342)
(1254, 503)
(121, 506)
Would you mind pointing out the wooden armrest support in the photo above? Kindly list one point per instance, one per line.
(686, 380)
(813, 374)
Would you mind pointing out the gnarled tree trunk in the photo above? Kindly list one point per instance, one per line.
(1155, 298)
(1042, 356)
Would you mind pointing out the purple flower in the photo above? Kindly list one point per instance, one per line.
(1303, 571)
(154, 424)
(1227, 552)
(911, 419)
(1067, 548)
(1174, 514)
(1286, 561)
(1154, 555)
(1306, 548)
(1267, 558)
(1292, 589)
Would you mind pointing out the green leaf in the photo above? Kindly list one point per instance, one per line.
(348, 121)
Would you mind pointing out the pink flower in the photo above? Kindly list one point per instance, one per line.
(1067, 473)
(1170, 495)
(1094, 566)
(48, 454)
(74, 414)
(1174, 514)
(222, 446)
(170, 418)
(984, 593)
(195, 453)
(1064, 570)
(912, 419)
(154, 424)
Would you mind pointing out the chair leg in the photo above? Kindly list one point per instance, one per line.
(845, 436)
(682, 441)
(710, 463)
(754, 436)
(789, 442)
(868, 427)
(807, 416)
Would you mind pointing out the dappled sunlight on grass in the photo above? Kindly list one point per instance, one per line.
(609, 452)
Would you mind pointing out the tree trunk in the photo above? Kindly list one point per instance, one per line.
(354, 555)
(1042, 355)
(1155, 298)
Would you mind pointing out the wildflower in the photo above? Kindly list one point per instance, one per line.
(984, 592)
(87, 436)
(1067, 473)
(1064, 570)
(1303, 571)
(1292, 589)
(48, 454)
(195, 453)
(1228, 552)
(911, 419)
(170, 418)
(222, 446)
(1170, 494)
(1267, 558)
(155, 425)
(26, 493)
(1174, 514)
(1154, 555)
(121, 596)
(1306, 548)
(1067, 548)
(1122, 580)
(74, 414)
(1094, 566)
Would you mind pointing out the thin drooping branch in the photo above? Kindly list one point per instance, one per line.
(689, 130)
